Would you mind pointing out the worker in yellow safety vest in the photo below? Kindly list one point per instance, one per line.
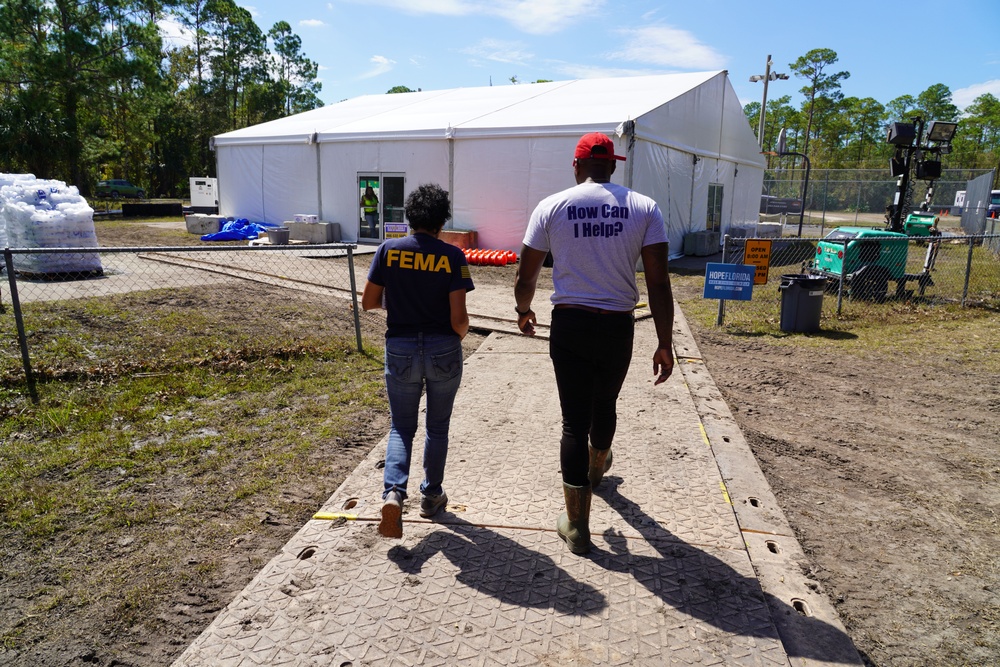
(369, 201)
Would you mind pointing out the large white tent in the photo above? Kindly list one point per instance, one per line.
(500, 150)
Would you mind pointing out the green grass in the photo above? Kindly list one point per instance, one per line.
(89, 446)
(892, 328)
(158, 413)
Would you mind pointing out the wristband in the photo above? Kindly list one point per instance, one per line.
(520, 313)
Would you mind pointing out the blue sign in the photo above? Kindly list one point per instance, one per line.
(733, 282)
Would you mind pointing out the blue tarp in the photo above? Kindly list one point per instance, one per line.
(239, 230)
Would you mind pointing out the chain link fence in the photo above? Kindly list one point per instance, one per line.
(916, 272)
(835, 197)
(42, 303)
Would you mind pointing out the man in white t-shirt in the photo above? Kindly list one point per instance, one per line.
(596, 232)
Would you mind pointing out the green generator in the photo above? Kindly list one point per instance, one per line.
(920, 224)
(866, 259)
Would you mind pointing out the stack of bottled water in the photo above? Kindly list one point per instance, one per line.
(41, 213)
(9, 179)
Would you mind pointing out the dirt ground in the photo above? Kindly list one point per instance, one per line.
(886, 468)
(887, 471)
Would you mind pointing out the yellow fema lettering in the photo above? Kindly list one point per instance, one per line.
(407, 259)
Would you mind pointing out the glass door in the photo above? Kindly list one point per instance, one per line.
(393, 205)
(380, 206)
(369, 216)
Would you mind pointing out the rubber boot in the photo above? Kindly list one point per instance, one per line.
(574, 524)
(600, 463)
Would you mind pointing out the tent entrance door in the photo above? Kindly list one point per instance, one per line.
(380, 206)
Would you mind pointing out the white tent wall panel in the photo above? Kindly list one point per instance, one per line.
(652, 177)
(493, 181)
(699, 194)
(745, 207)
(722, 173)
(340, 163)
(290, 183)
(499, 182)
(240, 172)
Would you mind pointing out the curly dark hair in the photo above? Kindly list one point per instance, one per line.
(428, 208)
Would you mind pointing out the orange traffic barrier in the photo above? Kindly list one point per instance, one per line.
(485, 257)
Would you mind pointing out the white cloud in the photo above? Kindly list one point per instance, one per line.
(538, 17)
(499, 51)
(576, 71)
(253, 10)
(380, 65)
(174, 35)
(311, 23)
(665, 46)
(963, 97)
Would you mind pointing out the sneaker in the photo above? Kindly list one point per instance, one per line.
(392, 516)
(429, 505)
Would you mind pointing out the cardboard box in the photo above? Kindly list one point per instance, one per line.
(460, 238)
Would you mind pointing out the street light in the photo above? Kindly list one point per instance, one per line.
(766, 77)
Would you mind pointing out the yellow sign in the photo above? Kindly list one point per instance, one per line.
(758, 254)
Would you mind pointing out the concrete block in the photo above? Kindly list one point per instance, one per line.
(314, 232)
(201, 224)
(769, 230)
(701, 244)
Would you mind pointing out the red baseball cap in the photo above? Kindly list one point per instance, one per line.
(596, 145)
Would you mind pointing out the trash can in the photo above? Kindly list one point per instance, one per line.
(801, 302)
(278, 235)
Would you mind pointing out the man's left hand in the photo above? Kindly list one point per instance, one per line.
(526, 323)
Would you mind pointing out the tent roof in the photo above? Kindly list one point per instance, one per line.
(559, 107)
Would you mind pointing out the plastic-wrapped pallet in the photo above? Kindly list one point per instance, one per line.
(9, 179)
(49, 214)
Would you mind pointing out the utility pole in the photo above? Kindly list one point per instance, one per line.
(766, 77)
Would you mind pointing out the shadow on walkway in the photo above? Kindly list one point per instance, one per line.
(710, 590)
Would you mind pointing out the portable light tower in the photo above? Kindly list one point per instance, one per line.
(907, 138)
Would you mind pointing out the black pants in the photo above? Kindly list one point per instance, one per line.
(590, 353)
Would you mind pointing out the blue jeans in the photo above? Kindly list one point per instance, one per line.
(371, 219)
(411, 363)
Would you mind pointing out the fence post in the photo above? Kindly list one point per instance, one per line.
(722, 302)
(22, 339)
(968, 270)
(857, 206)
(826, 194)
(840, 283)
(354, 297)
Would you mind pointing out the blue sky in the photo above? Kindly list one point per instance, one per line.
(890, 48)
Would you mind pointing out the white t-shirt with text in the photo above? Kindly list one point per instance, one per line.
(595, 232)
